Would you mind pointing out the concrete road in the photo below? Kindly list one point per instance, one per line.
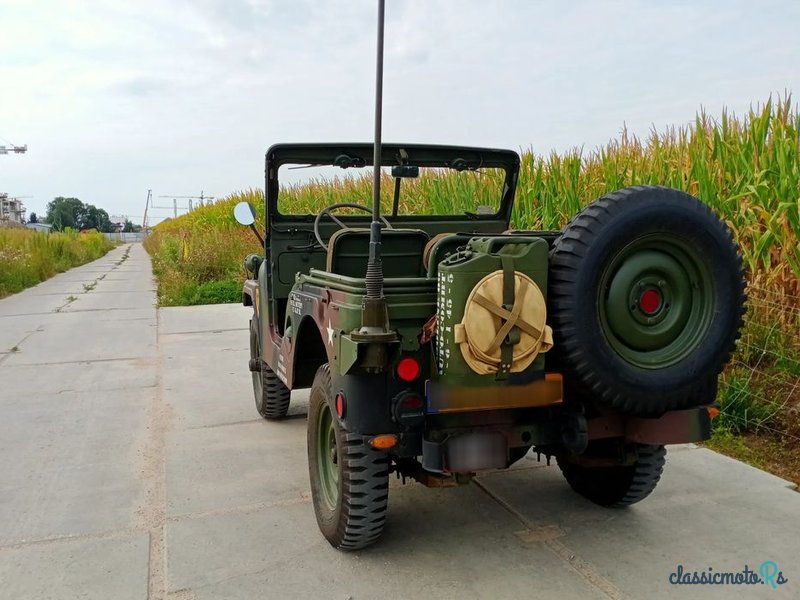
(133, 465)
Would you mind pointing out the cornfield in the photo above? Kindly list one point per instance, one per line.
(746, 168)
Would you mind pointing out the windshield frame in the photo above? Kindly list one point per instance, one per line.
(467, 158)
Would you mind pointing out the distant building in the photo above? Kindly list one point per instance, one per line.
(11, 209)
(43, 227)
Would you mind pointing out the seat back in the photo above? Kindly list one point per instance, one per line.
(401, 252)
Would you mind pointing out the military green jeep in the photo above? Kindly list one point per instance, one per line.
(596, 345)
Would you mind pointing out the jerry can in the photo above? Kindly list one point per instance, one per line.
(485, 258)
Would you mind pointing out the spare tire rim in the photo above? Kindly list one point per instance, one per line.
(656, 301)
(327, 458)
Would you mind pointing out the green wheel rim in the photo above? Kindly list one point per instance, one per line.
(656, 301)
(328, 458)
(258, 383)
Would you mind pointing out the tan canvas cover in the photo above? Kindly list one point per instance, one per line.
(486, 324)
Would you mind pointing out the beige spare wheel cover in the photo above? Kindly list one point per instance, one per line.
(484, 316)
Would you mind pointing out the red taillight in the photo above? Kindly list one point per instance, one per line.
(340, 405)
(408, 369)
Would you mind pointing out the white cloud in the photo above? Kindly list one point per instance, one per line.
(114, 98)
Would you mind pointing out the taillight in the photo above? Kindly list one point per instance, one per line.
(409, 408)
(411, 402)
(408, 369)
(339, 405)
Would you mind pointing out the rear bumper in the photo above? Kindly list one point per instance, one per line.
(445, 399)
(674, 427)
(476, 448)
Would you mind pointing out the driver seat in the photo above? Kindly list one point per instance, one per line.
(401, 252)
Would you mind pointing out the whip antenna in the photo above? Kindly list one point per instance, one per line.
(374, 316)
(374, 277)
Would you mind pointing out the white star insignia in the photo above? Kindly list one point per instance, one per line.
(329, 329)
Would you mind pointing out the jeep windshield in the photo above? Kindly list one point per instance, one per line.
(416, 181)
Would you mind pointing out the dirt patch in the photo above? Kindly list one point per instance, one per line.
(769, 451)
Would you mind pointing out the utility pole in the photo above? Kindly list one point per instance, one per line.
(201, 198)
(146, 206)
(175, 208)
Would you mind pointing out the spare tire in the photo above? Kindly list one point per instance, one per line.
(646, 299)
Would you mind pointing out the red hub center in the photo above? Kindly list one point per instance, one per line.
(650, 301)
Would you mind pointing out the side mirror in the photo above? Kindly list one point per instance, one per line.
(244, 213)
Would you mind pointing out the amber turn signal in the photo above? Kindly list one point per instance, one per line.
(383, 441)
(713, 411)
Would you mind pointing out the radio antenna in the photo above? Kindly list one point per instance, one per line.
(374, 316)
(374, 278)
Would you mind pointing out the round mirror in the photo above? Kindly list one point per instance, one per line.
(244, 213)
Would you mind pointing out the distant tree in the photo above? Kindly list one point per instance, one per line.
(130, 227)
(91, 217)
(33, 218)
(63, 212)
(71, 212)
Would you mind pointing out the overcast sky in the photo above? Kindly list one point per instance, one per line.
(114, 98)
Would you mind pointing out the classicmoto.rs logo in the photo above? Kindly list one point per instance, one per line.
(766, 574)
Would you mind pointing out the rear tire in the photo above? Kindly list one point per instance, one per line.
(272, 396)
(349, 479)
(617, 486)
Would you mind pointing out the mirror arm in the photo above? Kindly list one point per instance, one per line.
(258, 235)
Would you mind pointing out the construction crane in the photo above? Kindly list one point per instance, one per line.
(12, 149)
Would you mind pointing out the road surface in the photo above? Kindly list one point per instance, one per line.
(133, 465)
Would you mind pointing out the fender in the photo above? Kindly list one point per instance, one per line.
(250, 294)
(305, 350)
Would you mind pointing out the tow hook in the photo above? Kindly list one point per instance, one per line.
(255, 365)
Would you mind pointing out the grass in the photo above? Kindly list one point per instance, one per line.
(29, 257)
(745, 167)
(198, 258)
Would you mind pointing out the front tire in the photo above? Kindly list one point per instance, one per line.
(272, 396)
(349, 479)
(617, 486)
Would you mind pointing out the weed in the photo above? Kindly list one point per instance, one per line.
(29, 257)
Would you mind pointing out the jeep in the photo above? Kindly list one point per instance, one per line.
(438, 343)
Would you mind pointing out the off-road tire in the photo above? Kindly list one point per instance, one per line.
(355, 516)
(611, 351)
(271, 395)
(617, 486)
